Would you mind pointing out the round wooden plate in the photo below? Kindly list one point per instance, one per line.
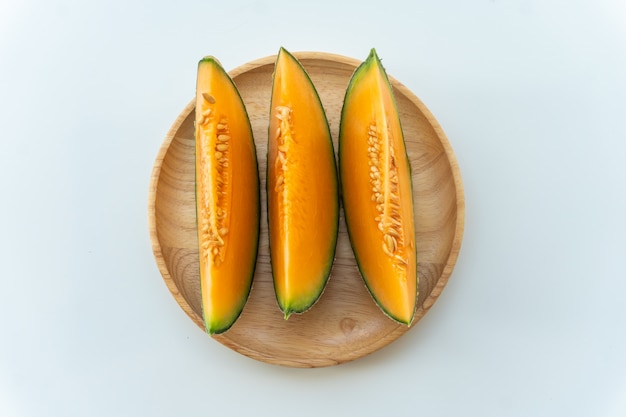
(345, 324)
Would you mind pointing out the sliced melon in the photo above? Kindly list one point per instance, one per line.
(227, 197)
(302, 189)
(377, 191)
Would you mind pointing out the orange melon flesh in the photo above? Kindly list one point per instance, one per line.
(227, 197)
(303, 206)
(377, 192)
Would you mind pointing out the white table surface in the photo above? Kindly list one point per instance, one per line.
(532, 96)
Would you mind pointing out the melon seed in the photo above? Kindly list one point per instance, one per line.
(386, 249)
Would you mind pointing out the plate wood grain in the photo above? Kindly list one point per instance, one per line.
(345, 324)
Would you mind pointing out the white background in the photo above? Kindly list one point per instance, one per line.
(532, 95)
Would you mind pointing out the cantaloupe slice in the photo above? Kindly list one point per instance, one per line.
(377, 191)
(302, 194)
(227, 197)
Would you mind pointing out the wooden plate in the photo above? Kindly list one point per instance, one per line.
(345, 324)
